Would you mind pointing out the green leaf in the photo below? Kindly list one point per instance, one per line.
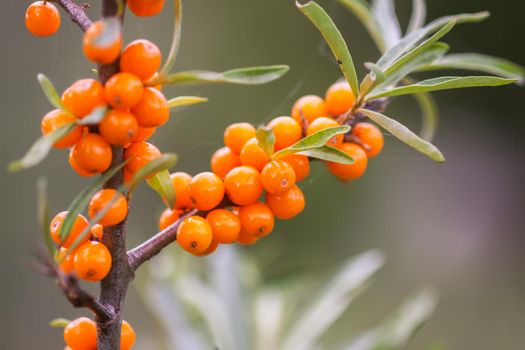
(329, 154)
(110, 33)
(418, 16)
(444, 83)
(182, 101)
(265, 139)
(385, 14)
(334, 39)
(59, 323)
(51, 93)
(43, 214)
(40, 149)
(161, 183)
(404, 134)
(175, 41)
(165, 161)
(429, 113)
(94, 117)
(482, 63)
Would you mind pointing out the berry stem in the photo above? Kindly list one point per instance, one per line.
(76, 12)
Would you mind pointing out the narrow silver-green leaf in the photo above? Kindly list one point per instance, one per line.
(110, 33)
(43, 214)
(175, 41)
(418, 16)
(183, 101)
(51, 93)
(40, 149)
(94, 117)
(429, 115)
(165, 161)
(59, 323)
(161, 183)
(317, 15)
(265, 139)
(385, 14)
(329, 154)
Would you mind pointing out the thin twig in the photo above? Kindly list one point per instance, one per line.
(77, 13)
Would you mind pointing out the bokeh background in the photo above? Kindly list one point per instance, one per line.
(457, 226)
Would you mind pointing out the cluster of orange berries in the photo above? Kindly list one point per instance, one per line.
(81, 334)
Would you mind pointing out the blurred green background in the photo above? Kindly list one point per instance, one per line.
(457, 226)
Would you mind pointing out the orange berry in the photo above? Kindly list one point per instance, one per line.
(92, 261)
(225, 225)
(145, 8)
(66, 261)
(83, 96)
(309, 107)
(253, 155)
(118, 127)
(81, 334)
(123, 90)
(213, 247)
(118, 209)
(98, 50)
(127, 336)
(287, 131)
(325, 123)
(152, 110)
(256, 219)
(142, 58)
(370, 136)
(42, 18)
(206, 191)
(97, 232)
(128, 176)
(168, 217)
(246, 238)
(143, 134)
(92, 153)
(347, 172)
(80, 171)
(300, 165)
(139, 155)
(55, 120)
(339, 98)
(79, 225)
(224, 160)
(243, 185)
(181, 182)
(288, 204)
(194, 234)
(277, 176)
(237, 134)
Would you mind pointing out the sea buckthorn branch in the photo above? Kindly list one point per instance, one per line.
(76, 12)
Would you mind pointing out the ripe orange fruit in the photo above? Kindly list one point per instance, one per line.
(181, 182)
(123, 90)
(80, 171)
(224, 160)
(256, 219)
(143, 134)
(237, 134)
(347, 172)
(253, 155)
(277, 176)
(142, 58)
(55, 120)
(287, 204)
(300, 165)
(287, 131)
(118, 127)
(325, 123)
(152, 110)
(97, 232)
(92, 154)
(66, 261)
(92, 261)
(168, 217)
(127, 336)
(246, 238)
(139, 155)
(371, 136)
(96, 48)
(145, 8)
(206, 191)
(339, 98)
(42, 18)
(213, 247)
(83, 96)
(194, 234)
(78, 226)
(225, 225)
(81, 334)
(117, 211)
(243, 185)
(309, 107)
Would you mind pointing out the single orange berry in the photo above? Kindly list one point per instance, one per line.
(57, 119)
(80, 171)
(97, 232)
(181, 182)
(277, 176)
(152, 110)
(370, 136)
(194, 234)
(142, 58)
(143, 134)
(347, 172)
(79, 225)
(168, 217)
(287, 131)
(206, 191)
(253, 155)
(309, 107)
(81, 334)
(96, 46)
(246, 238)
(127, 336)
(224, 160)
(288, 204)
(42, 18)
(300, 165)
(123, 90)
(237, 134)
(339, 98)
(83, 96)
(225, 225)
(139, 155)
(92, 153)
(213, 247)
(66, 261)
(92, 261)
(325, 123)
(112, 201)
(243, 185)
(145, 8)
(118, 127)
(256, 219)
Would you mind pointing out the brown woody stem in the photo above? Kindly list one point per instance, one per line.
(76, 12)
